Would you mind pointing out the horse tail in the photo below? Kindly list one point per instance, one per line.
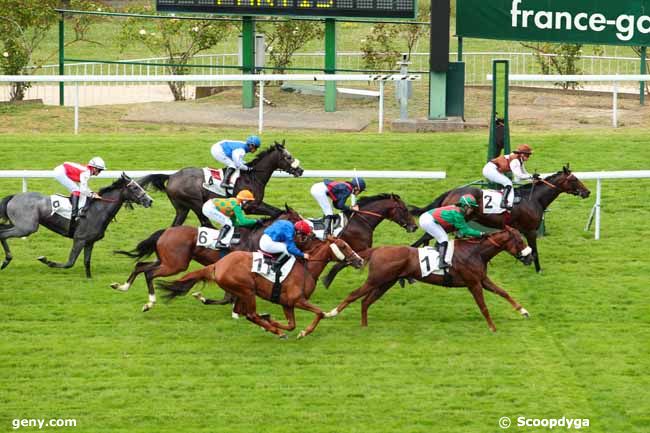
(156, 180)
(182, 286)
(416, 211)
(3, 211)
(145, 248)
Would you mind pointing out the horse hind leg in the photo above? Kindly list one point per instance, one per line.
(140, 267)
(181, 215)
(246, 306)
(353, 296)
(13, 231)
(371, 298)
(8, 256)
(531, 237)
(329, 278)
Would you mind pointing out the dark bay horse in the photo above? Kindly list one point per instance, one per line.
(26, 211)
(526, 215)
(469, 269)
(362, 223)
(175, 248)
(185, 187)
(233, 274)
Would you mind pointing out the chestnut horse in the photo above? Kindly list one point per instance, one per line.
(468, 269)
(526, 216)
(362, 223)
(233, 274)
(175, 248)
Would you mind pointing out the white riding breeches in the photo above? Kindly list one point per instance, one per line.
(59, 175)
(270, 246)
(492, 173)
(217, 153)
(429, 225)
(210, 211)
(319, 192)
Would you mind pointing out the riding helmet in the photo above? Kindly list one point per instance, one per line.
(467, 200)
(359, 183)
(525, 149)
(245, 194)
(303, 226)
(254, 141)
(97, 162)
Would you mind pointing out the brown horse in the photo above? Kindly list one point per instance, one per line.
(362, 223)
(526, 216)
(175, 248)
(469, 269)
(233, 274)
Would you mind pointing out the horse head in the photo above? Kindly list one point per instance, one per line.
(277, 157)
(341, 251)
(567, 182)
(510, 240)
(389, 206)
(134, 193)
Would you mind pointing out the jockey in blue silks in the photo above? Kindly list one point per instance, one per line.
(338, 192)
(231, 153)
(278, 238)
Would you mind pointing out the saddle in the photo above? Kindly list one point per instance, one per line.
(61, 205)
(492, 201)
(212, 178)
(263, 265)
(339, 221)
(207, 238)
(428, 258)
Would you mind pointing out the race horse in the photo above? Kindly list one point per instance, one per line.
(176, 247)
(526, 216)
(358, 232)
(233, 274)
(24, 212)
(468, 269)
(186, 192)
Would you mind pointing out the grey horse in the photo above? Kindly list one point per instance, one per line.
(22, 214)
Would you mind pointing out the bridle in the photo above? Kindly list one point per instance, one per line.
(360, 213)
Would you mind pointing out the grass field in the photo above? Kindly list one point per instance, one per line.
(74, 348)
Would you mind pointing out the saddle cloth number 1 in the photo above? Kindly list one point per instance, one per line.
(260, 266)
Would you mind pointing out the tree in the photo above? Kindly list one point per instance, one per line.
(284, 38)
(178, 39)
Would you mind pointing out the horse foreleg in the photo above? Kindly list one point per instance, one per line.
(291, 320)
(477, 292)
(489, 285)
(139, 268)
(371, 298)
(304, 304)
(264, 209)
(338, 267)
(227, 299)
(531, 237)
(246, 305)
(424, 240)
(8, 256)
(353, 296)
(88, 251)
(77, 246)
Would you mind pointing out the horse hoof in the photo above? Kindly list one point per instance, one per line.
(197, 295)
(266, 316)
(4, 264)
(42, 259)
(402, 283)
(236, 317)
(283, 337)
(302, 335)
(332, 313)
(146, 307)
(525, 313)
(119, 287)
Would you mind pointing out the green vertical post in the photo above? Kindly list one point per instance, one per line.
(61, 57)
(460, 49)
(248, 61)
(643, 72)
(499, 122)
(330, 64)
(437, 95)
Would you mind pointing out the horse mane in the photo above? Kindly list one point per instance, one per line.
(550, 178)
(373, 198)
(264, 153)
(119, 183)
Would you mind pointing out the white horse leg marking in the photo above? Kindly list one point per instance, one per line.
(121, 287)
(149, 305)
(332, 313)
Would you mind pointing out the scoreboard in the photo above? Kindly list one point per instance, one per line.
(304, 8)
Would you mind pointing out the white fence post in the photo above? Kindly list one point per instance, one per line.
(615, 106)
(598, 196)
(76, 108)
(381, 107)
(24, 184)
(260, 126)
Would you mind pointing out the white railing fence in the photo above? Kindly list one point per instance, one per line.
(78, 80)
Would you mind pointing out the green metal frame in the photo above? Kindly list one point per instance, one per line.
(500, 107)
(248, 61)
(330, 64)
(61, 57)
(644, 53)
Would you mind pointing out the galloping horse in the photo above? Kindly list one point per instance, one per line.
(233, 274)
(27, 210)
(469, 269)
(526, 215)
(362, 223)
(185, 187)
(175, 248)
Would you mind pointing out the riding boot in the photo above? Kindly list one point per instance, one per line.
(277, 266)
(504, 200)
(442, 251)
(222, 234)
(327, 225)
(227, 174)
(74, 202)
(84, 210)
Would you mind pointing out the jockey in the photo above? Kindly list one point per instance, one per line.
(440, 221)
(222, 210)
(495, 168)
(279, 238)
(338, 192)
(231, 153)
(68, 174)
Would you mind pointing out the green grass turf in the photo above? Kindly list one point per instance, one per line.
(74, 348)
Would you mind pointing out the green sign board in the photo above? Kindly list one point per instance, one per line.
(615, 22)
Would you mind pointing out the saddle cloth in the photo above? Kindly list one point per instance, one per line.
(212, 181)
(61, 205)
(318, 225)
(492, 201)
(207, 238)
(428, 257)
(262, 265)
